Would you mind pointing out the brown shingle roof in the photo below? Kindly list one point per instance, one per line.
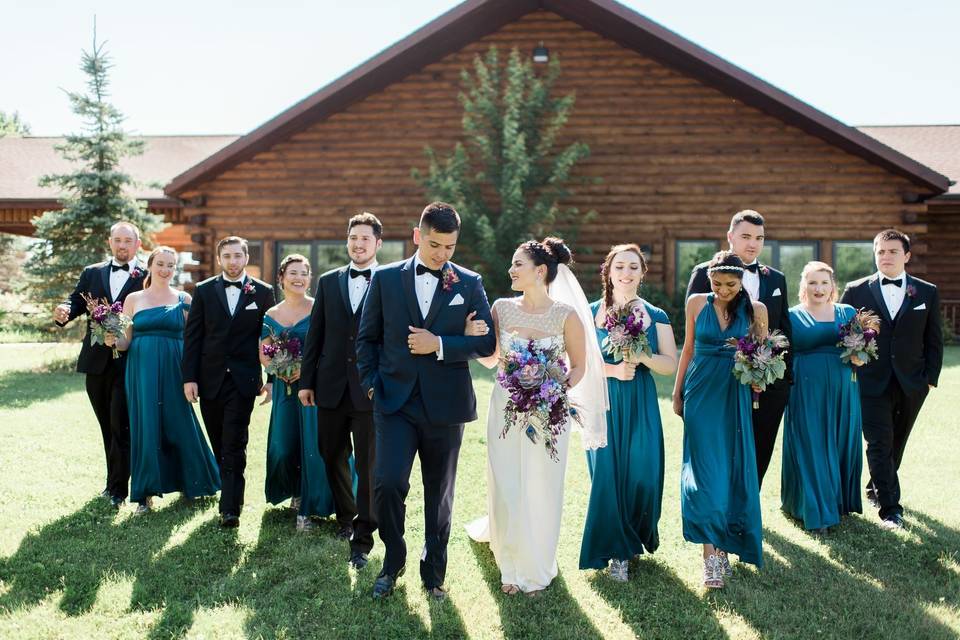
(937, 146)
(24, 160)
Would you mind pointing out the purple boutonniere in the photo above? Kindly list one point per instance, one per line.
(248, 288)
(765, 270)
(911, 291)
(450, 278)
(136, 272)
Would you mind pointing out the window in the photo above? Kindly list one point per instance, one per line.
(852, 260)
(255, 265)
(690, 253)
(790, 257)
(330, 254)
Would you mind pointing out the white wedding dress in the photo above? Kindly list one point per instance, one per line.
(524, 485)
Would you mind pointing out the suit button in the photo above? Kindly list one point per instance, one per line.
(228, 369)
(349, 359)
(353, 337)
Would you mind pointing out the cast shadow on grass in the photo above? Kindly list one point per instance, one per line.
(21, 389)
(655, 603)
(300, 585)
(76, 552)
(801, 593)
(554, 613)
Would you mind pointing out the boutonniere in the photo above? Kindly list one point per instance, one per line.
(911, 291)
(764, 269)
(450, 278)
(248, 288)
(136, 272)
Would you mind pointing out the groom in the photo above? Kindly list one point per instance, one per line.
(413, 361)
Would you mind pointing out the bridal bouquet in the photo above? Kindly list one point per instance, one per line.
(535, 377)
(759, 361)
(626, 327)
(858, 338)
(286, 354)
(106, 319)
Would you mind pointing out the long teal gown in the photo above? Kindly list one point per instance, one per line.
(822, 442)
(719, 491)
(295, 467)
(627, 475)
(168, 451)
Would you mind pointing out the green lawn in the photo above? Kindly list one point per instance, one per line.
(71, 567)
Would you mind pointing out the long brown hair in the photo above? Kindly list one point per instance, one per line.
(153, 254)
(608, 262)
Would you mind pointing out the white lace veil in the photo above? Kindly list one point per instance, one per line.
(590, 395)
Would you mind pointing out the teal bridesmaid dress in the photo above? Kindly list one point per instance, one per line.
(168, 451)
(822, 442)
(719, 491)
(294, 465)
(626, 475)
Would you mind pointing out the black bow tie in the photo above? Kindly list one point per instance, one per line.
(118, 267)
(422, 269)
(886, 281)
(356, 274)
(752, 267)
(238, 284)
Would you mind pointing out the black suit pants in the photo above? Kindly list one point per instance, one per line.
(227, 419)
(109, 400)
(400, 437)
(335, 427)
(887, 422)
(766, 423)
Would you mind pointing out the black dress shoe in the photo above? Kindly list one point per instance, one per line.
(437, 594)
(892, 523)
(872, 497)
(385, 584)
(345, 532)
(105, 494)
(116, 502)
(358, 560)
(229, 521)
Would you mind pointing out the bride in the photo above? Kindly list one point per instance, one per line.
(525, 471)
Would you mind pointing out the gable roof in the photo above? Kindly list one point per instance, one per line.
(937, 146)
(474, 19)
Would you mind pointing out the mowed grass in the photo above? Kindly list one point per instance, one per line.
(70, 567)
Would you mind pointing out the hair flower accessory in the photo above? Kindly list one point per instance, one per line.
(248, 288)
(911, 291)
(450, 278)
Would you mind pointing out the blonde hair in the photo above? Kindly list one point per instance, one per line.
(812, 267)
(153, 254)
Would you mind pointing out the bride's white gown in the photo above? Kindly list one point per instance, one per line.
(524, 486)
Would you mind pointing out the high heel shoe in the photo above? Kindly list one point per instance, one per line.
(712, 574)
(724, 564)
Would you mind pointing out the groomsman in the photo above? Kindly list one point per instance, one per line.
(221, 364)
(894, 386)
(114, 279)
(330, 381)
(767, 285)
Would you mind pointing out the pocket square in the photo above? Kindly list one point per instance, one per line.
(457, 299)
(252, 305)
(920, 307)
(776, 292)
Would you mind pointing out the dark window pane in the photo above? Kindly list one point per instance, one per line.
(852, 260)
(690, 253)
(793, 257)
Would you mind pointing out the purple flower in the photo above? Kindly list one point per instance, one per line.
(911, 291)
(136, 272)
(450, 278)
(249, 288)
(116, 307)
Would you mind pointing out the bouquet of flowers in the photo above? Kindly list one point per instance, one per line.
(626, 327)
(759, 361)
(535, 377)
(106, 319)
(285, 353)
(858, 338)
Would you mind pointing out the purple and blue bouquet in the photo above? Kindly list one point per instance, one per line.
(535, 377)
(106, 319)
(626, 327)
(285, 353)
(759, 361)
(858, 338)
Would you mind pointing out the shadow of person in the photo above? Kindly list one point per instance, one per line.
(186, 577)
(74, 553)
(553, 613)
(300, 585)
(21, 388)
(800, 593)
(655, 603)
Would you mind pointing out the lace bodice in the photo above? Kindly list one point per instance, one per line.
(514, 322)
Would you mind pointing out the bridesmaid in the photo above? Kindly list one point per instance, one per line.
(294, 467)
(719, 490)
(627, 474)
(822, 448)
(168, 451)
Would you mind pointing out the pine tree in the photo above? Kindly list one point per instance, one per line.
(95, 195)
(508, 180)
(11, 125)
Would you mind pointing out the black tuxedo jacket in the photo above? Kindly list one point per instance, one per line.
(216, 344)
(95, 280)
(910, 345)
(330, 354)
(385, 362)
(778, 308)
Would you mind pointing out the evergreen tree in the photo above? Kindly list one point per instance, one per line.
(12, 125)
(508, 180)
(96, 194)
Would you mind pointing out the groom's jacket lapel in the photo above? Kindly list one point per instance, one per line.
(105, 280)
(874, 287)
(407, 275)
(221, 293)
(343, 282)
(440, 299)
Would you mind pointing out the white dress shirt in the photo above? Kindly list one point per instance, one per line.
(751, 282)
(358, 286)
(119, 277)
(892, 295)
(425, 286)
(233, 293)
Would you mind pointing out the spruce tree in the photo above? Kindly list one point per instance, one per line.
(95, 195)
(508, 179)
(12, 125)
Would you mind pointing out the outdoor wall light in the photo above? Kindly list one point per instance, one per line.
(541, 54)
